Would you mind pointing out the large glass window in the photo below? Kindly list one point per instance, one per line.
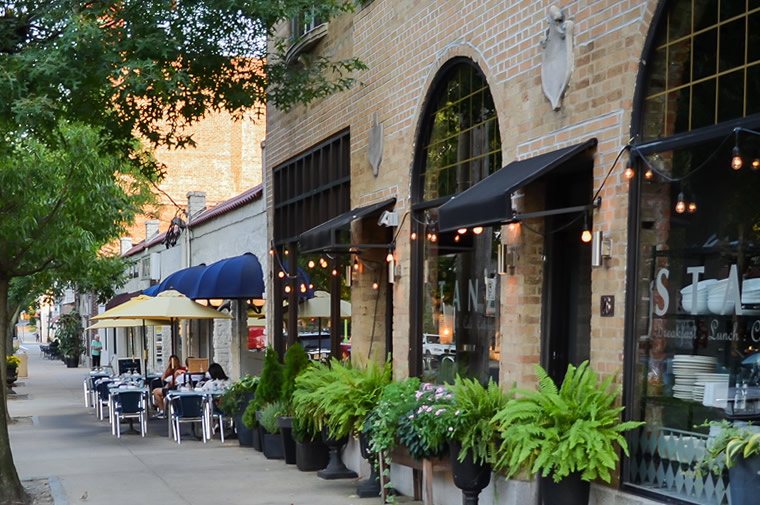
(459, 280)
(697, 317)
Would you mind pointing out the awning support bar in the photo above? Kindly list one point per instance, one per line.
(516, 216)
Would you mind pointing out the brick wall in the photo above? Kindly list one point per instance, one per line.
(404, 44)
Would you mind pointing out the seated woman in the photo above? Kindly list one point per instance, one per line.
(169, 382)
(217, 379)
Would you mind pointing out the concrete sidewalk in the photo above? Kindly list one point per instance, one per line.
(61, 440)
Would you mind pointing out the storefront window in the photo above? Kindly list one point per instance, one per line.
(697, 315)
(459, 282)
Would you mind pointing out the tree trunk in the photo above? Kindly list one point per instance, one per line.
(11, 490)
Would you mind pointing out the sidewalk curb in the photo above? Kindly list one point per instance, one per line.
(57, 492)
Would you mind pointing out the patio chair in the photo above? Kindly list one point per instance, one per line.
(218, 416)
(129, 405)
(89, 389)
(187, 409)
(101, 394)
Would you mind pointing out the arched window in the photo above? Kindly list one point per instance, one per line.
(456, 286)
(696, 267)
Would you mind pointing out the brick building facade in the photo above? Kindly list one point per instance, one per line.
(633, 94)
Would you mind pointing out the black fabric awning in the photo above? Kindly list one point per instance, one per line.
(324, 237)
(489, 202)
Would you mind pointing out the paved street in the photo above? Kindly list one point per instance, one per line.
(62, 440)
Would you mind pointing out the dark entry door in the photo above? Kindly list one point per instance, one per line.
(566, 308)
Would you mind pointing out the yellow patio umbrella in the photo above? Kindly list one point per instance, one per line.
(319, 307)
(169, 304)
(126, 323)
(109, 314)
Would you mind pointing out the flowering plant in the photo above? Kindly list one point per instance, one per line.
(12, 361)
(418, 416)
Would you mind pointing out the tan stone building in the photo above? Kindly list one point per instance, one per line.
(496, 132)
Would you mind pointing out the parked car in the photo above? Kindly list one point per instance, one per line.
(433, 348)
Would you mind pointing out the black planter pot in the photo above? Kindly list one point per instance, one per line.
(569, 491)
(286, 436)
(244, 434)
(744, 478)
(272, 445)
(71, 361)
(11, 376)
(257, 440)
(311, 456)
(335, 467)
(469, 476)
(371, 487)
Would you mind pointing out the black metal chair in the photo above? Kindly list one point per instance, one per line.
(129, 405)
(101, 393)
(187, 409)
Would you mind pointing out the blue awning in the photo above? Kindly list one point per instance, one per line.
(237, 277)
(185, 281)
(151, 291)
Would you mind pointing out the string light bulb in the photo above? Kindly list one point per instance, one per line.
(648, 174)
(311, 264)
(433, 237)
(389, 257)
(303, 288)
(323, 262)
(413, 236)
(356, 265)
(628, 170)
(271, 252)
(586, 233)
(311, 286)
(334, 272)
(287, 289)
(281, 274)
(375, 285)
(692, 207)
(286, 252)
(755, 163)
(456, 238)
(462, 231)
(680, 204)
(736, 160)
(477, 230)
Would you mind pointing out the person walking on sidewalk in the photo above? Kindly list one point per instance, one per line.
(95, 346)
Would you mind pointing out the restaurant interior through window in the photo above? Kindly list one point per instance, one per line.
(697, 316)
(460, 288)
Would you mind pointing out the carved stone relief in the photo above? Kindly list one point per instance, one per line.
(556, 56)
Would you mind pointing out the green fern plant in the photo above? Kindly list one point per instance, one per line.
(351, 394)
(475, 406)
(308, 412)
(559, 431)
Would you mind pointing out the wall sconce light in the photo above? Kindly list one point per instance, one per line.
(506, 259)
(601, 248)
(391, 269)
(258, 302)
(349, 273)
(215, 302)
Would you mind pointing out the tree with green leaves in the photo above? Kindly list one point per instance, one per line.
(62, 198)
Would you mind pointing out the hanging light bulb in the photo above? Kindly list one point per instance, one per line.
(311, 264)
(680, 204)
(628, 170)
(311, 286)
(433, 237)
(375, 285)
(477, 230)
(287, 289)
(462, 231)
(334, 272)
(755, 163)
(413, 236)
(286, 252)
(281, 274)
(512, 226)
(456, 238)
(692, 207)
(389, 257)
(323, 262)
(648, 174)
(736, 160)
(303, 288)
(271, 252)
(586, 233)
(356, 265)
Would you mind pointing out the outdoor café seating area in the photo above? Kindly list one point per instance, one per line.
(125, 400)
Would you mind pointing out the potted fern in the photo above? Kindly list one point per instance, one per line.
(471, 433)
(272, 444)
(570, 435)
(738, 450)
(308, 417)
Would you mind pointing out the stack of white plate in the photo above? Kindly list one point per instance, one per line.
(685, 369)
(751, 295)
(716, 298)
(687, 294)
(702, 379)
